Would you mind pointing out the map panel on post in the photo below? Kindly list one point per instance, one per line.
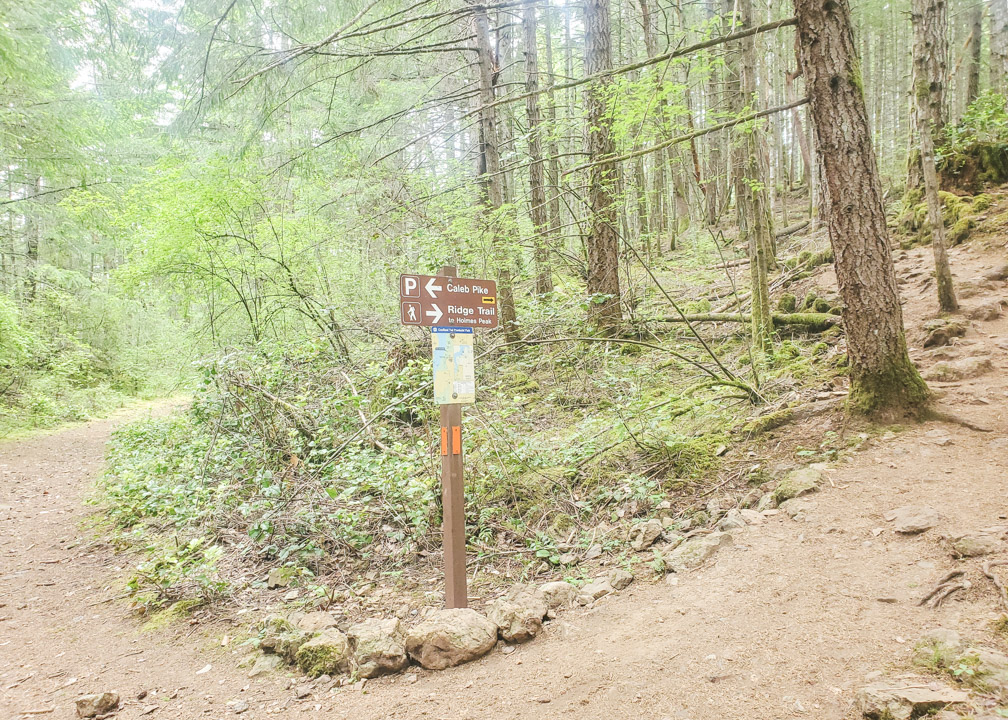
(429, 300)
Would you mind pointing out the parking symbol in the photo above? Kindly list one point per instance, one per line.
(410, 287)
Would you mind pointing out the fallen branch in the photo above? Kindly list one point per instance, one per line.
(813, 322)
(792, 229)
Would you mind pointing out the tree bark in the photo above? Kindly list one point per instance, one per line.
(752, 200)
(976, 34)
(492, 175)
(734, 105)
(999, 45)
(661, 209)
(537, 191)
(883, 379)
(929, 72)
(552, 149)
(602, 242)
(925, 15)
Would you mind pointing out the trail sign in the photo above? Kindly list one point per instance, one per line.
(432, 300)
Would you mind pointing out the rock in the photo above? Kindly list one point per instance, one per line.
(986, 312)
(937, 648)
(796, 508)
(797, 483)
(328, 653)
(519, 614)
(89, 706)
(990, 670)
(976, 544)
(557, 594)
(584, 599)
(450, 637)
(942, 332)
(766, 502)
(238, 706)
(280, 577)
(997, 274)
(598, 588)
(696, 551)
(264, 664)
(913, 519)
(644, 535)
(593, 552)
(568, 558)
(314, 622)
(378, 646)
(285, 644)
(619, 578)
(971, 287)
(302, 691)
(752, 517)
(964, 369)
(731, 521)
(903, 700)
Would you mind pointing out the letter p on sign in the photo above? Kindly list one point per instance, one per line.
(410, 285)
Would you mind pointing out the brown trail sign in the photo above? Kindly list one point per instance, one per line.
(452, 307)
(429, 300)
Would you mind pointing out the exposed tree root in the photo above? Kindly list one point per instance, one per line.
(945, 587)
(1002, 592)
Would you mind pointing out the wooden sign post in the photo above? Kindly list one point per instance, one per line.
(452, 307)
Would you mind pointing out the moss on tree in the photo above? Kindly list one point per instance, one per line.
(895, 388)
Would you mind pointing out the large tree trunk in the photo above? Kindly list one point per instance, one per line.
(974, 42)
(661, 212)
(493, 181)
(602, 242)
(925, 14)
(734, 105)
(882, 376)
(552, 149)
(753, 201)
(999, 45)
(537, 191)
(929, 72)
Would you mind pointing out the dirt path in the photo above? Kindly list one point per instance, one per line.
(785, 623)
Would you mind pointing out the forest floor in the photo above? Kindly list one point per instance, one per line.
(786, 623)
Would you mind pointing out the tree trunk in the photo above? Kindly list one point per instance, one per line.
(537, 191)
(734, 105)
(551, 144)
(492, 174)
(752, 200)
(924, 13)
(929, 72)
(602, 242)
(999, 45)
(882, 377)
(975, 37)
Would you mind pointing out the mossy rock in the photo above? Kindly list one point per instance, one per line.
(328, 653)
(787, 303)
(809, 301)
(974, 167)
(797, 483)
(960, 231)
(821, 305)
(517, 381)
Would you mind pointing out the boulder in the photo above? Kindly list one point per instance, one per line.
(964, 369)
(797, 483)
(990, 670)
(619, 578)
(996, 274)
(695, 552)
(451, 637)
(264, 664)
(328, 653)
(731, 521)
(752, 517)
(796, 508)
(557, 594)
(904, 700)
(89, 706)
(976, 544)
(986, 312)
(285, 644)
(600, 587)
(645, 534)
(314, 622)
(519, 614)
(378, 647)
(913, 519)
(942, 332)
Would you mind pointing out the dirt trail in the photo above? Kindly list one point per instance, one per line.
(785, 624)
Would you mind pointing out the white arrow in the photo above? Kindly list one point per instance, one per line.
(435, 313)
(431, 287)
